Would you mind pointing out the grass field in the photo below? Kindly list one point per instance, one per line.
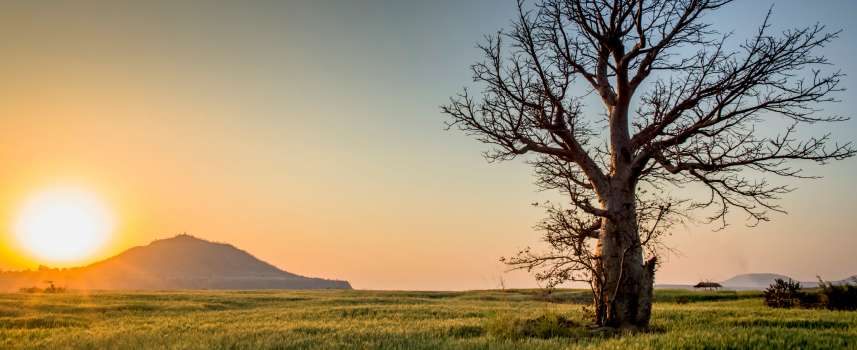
(396, 320)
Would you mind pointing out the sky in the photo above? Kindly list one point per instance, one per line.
(308, 133)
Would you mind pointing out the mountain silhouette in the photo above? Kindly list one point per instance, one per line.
(759, 281)
(752, 280)
(181, 262)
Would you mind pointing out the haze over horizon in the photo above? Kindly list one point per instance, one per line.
(308, 134)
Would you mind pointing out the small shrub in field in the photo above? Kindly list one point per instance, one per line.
(30, 290)
(51, 289)
(783, 294)
(838, 297)
(810, 301)
(546, 326)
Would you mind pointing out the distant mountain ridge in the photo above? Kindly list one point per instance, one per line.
(758, 281)
(752, 280)
(180, 262)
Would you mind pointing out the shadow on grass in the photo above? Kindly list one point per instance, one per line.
(41, 322)
(787, 323)
(551, 325)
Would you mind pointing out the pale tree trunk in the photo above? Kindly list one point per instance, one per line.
(626, 282)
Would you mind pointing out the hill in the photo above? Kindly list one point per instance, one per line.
(752, 281)
(757, 281)
(760, 281)
(181, 262)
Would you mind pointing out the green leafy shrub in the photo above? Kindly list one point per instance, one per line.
(787, 294)
(783, 294)
(810, 301)
(838, 297)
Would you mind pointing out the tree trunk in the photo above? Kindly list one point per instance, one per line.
(626, 283)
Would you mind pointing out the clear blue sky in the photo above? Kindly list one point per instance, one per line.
(309, 133)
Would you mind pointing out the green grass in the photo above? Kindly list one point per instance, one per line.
(398, 320)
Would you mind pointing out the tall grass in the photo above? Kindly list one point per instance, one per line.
(401, 320)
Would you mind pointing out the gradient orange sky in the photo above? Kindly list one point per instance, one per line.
(308, 133)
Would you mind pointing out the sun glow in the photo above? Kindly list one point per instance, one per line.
(63, 225)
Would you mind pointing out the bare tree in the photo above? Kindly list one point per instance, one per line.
(696, 122)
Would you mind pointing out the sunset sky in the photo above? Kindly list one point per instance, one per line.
(309, 134)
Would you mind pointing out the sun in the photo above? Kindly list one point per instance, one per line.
(63, 225)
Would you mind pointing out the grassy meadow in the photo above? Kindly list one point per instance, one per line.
(331, 319)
